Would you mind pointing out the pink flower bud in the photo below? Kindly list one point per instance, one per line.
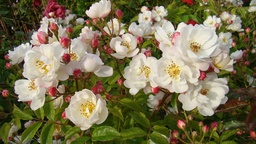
(119, 14)
(247, 63)
(214, 126)
(98, 88)
(109, 51)
(181, 124)
(54, 27)
(246, 39)
(52, 91)
(87, 22)
(155, 90)
(95, 20)
(120, 82)
(175, 134)
(67, 99)
(108, 97)
(63, 115)
(139, 40)
(230, 21)
(200, 124)
(217, 25)
(95, 42)
(5, 93)
(42, 37)
(233, 72)
(239, 132)
(190, 117)
(202, 75)
(241, 34)
(205, 128)
(77, 73)
(65, 42)
(69, 30)
(233, 44)
(247, 30)
(6, 57)
(66, 58)
(148, 53)
(8, 65)
(253, 134)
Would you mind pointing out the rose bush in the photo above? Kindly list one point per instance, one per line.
(180, 73)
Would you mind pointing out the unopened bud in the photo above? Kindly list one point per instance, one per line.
(54, 27)
(190, 117)
(181, 124)
(194, 134)
(202, 75)
(69, 30)
(253, 134)
(8, 65)
(233, 44)
(95, 42)
(66, 58)
(214, 126)
(205, 128)
(108, 97)
(233, 72)
(246, 39)
(120, 81)
(6, 57)
(77, 73)
(148, 53)
(65, 42)
(42, 37)
(175, 134)
(87, 22)
(119, 14)
(63, 115)
(241, 34)
(139, 40)
(155, 90)
(247, 30)
(247, 63)
(5, 93)
(200, 124)
(67, 99)
(52, 91)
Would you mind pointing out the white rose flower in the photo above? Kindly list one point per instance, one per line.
(153, 100)
(86, 109)
(114, 27)
(206, 96)
(213, 22)
(237, 55)
(99, 10)
(17, 55)
(93, 63)
(30, 91)
(145, 17)
(125, 46)
(141, 30)
(223, 62)
(159, 13)
(173, 74)
(139, 73)
(225, 41)
(236, 23)
(252, 9)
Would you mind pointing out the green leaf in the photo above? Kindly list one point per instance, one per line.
(40, 113)
(174, 100)
(30, 132)
(227, 134)
(47, 133)
(228, 142)
(162, 129)
(132, 133)
(104, 133)
(158, 138)
(71, 132)
(132, 104)
(140, 118)
(116, 111)
(216, 136)
(21, 114)
(113, 79)
(4, 132)
(49, 109)
(81, 140)
(146, 43)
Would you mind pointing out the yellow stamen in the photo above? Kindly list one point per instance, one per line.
(195, 47)
(87, 108)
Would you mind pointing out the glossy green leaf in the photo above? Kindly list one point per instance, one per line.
(131, 104)
(81, 140)
(21, 114)
(140, 118)
(104, 133)
(71, 132)
(132, 133)
(40, 113)
(174, 100)
(229, 142)
(158, 138)
(30, 132)
(46, 135)
(5, 128)
(226, 134)
(162, 129)
(49, 109)
(117, 112)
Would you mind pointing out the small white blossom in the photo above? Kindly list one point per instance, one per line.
(114, 27)
(141, 30)
(158, 13)
(237, 55)
(213, 22)
(99, 10)
(17, 55)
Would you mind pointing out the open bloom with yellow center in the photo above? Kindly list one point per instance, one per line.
(30, 91)
(125, 46)
(198, 44)
(139, 73)
(206, 96)
(43, 61)
(86, 109)
(174, 74)
(99, 10)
